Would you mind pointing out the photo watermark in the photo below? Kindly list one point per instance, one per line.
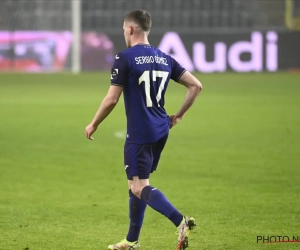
(266, 239)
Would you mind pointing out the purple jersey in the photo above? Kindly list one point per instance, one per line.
(144, 73)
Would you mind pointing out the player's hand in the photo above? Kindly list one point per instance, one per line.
(89, 130)
(174, 120)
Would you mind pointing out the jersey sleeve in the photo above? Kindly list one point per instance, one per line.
(177, 70)
(119, 71)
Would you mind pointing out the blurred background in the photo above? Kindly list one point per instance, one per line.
(204, 35)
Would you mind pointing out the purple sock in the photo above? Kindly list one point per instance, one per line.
(158, 201)
(137, 209)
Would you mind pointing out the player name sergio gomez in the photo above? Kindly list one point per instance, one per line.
(151, 59)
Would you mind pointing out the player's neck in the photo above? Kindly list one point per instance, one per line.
(140, 40)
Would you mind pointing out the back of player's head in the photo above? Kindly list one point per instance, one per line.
(141, 18)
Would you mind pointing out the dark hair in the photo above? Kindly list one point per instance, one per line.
(140, 17)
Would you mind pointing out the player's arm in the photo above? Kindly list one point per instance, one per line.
(106, 106)
(194, 87)
(119, 77)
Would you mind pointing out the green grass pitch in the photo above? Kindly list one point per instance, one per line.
(233, 163)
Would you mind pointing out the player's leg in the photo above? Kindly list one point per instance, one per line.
(137, 206)
(133, 153)
(137, 209)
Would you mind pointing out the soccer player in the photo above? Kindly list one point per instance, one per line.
(142, 72)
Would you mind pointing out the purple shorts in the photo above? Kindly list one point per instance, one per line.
(142, 159)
